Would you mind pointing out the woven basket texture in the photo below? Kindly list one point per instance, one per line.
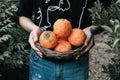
(51, 54)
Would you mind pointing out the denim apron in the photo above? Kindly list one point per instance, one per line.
(44, 69)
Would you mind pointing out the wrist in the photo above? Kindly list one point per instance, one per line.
(35, 27)
(93, 28)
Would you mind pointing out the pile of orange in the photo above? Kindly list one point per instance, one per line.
(63, 36)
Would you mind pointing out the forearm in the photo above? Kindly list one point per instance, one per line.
(27, 24)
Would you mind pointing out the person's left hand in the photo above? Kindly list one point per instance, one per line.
(89, 42)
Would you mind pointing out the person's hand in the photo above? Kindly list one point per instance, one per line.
(89, 42)
(33, 38)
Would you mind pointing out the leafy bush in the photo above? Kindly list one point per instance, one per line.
(109, 20)
(113, 68)
(14, 47)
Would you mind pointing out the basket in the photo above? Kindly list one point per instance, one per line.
(48, 53)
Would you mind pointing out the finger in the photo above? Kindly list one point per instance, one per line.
(88, 38)
(77, 57)
(91, 44)
(39, 53)
(32, 43)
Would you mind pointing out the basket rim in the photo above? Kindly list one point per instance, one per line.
(60, 55)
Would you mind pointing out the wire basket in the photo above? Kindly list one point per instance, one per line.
(51, 54)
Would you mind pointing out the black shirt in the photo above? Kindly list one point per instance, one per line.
(48, 11)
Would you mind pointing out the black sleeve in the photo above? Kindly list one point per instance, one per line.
(25, 8)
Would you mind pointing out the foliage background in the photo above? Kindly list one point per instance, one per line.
(109, 19)
(14, 47)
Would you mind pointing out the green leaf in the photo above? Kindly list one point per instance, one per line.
(115, 42)
(107, 28)
(1, 57)
(117, 26)
(5, 37)
(103, 45)
(108, 51)
(112, 21)
(6, 54)
(105, 68)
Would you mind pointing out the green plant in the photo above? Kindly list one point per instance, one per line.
(113, 68)
(101, 15)
(109, 19)
(14, 47)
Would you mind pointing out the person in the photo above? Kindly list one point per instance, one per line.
(36, 16)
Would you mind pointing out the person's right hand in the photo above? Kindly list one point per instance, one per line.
(33, 38)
